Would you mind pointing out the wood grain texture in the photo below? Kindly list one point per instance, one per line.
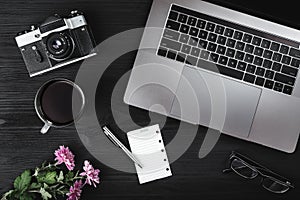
(22, 147)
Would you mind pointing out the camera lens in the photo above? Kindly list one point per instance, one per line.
(60, 46)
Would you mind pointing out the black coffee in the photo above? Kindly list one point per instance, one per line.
(58, 102)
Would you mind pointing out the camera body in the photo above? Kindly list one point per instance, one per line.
(56, 43)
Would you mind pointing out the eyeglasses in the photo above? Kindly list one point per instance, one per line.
(249, 169)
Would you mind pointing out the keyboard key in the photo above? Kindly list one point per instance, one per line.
(260, 71)
(184, 28)
(251, 69)
(289, 70)
(238, 35)
(266, 44)
(221, 50)
(171, 54)
(240, 46)
(204, 55)
(203, 34)
(230, 52)
(212, 47)
(277, 57)
(202, 44)
(249, 48)
(286, 60)
(173, 15)
(181, 57)
(192, 21)
(223, 60)
(230, 43)
(232, 63)
(249, 78)
(249, 58)
(269, 74)
(268, 54)
(210, 27)
(258, 61)
(259, 81)
(171, 34)
(295, 62)
(256, 41)
(294, 53)
(186, 49)
(276, 66)
(201, 23)
(184, 38)
(194, 31)
(258, 51)
(195, 52)
(247, 38)
(284, 49)
(193, 41)
(162, 52)
(239, 55)
(284, 79)
(212, 37)
(267, 64)
(229, 32)
(191, 60)
(278, 87)
(170, 44)
(182, 18)
(220, 29)
(242, 66)
(275, 46)
(214, 57)
(221, 40)
(173, 25)
(287, 90)
(220, 69)
(269, 84)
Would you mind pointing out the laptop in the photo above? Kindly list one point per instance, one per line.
(223, 67)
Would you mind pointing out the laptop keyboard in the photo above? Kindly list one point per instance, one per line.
(232, 50)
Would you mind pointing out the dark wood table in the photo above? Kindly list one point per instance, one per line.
(23, 147)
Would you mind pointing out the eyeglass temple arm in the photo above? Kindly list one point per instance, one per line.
(230, 169)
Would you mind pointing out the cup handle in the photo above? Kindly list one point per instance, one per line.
(45, 129)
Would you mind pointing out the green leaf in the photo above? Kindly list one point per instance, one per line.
(45, 195)
(69, 176)
(50, 178)
(47, 177)
(27, 196)
(22, 182)
(35, 186)
(60, 177)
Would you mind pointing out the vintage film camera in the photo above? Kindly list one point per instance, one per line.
(55, 43)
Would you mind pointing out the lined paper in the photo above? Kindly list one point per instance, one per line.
(148, 147)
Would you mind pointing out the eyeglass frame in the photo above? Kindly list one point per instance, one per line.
(258, 169)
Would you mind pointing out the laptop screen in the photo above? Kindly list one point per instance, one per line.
(285, 12)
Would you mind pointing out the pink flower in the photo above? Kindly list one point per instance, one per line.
(75, 191)
(91, 174)
(64, 155)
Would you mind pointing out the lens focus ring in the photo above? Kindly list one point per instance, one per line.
(59, 46)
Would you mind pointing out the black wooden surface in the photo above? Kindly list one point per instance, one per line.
(22, 147)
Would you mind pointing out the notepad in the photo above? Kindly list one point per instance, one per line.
(148, 147)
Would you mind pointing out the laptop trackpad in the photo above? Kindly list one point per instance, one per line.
(219, 103)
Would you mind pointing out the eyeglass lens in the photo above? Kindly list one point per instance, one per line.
(245, 171)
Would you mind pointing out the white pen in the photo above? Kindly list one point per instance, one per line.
(113, 138)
